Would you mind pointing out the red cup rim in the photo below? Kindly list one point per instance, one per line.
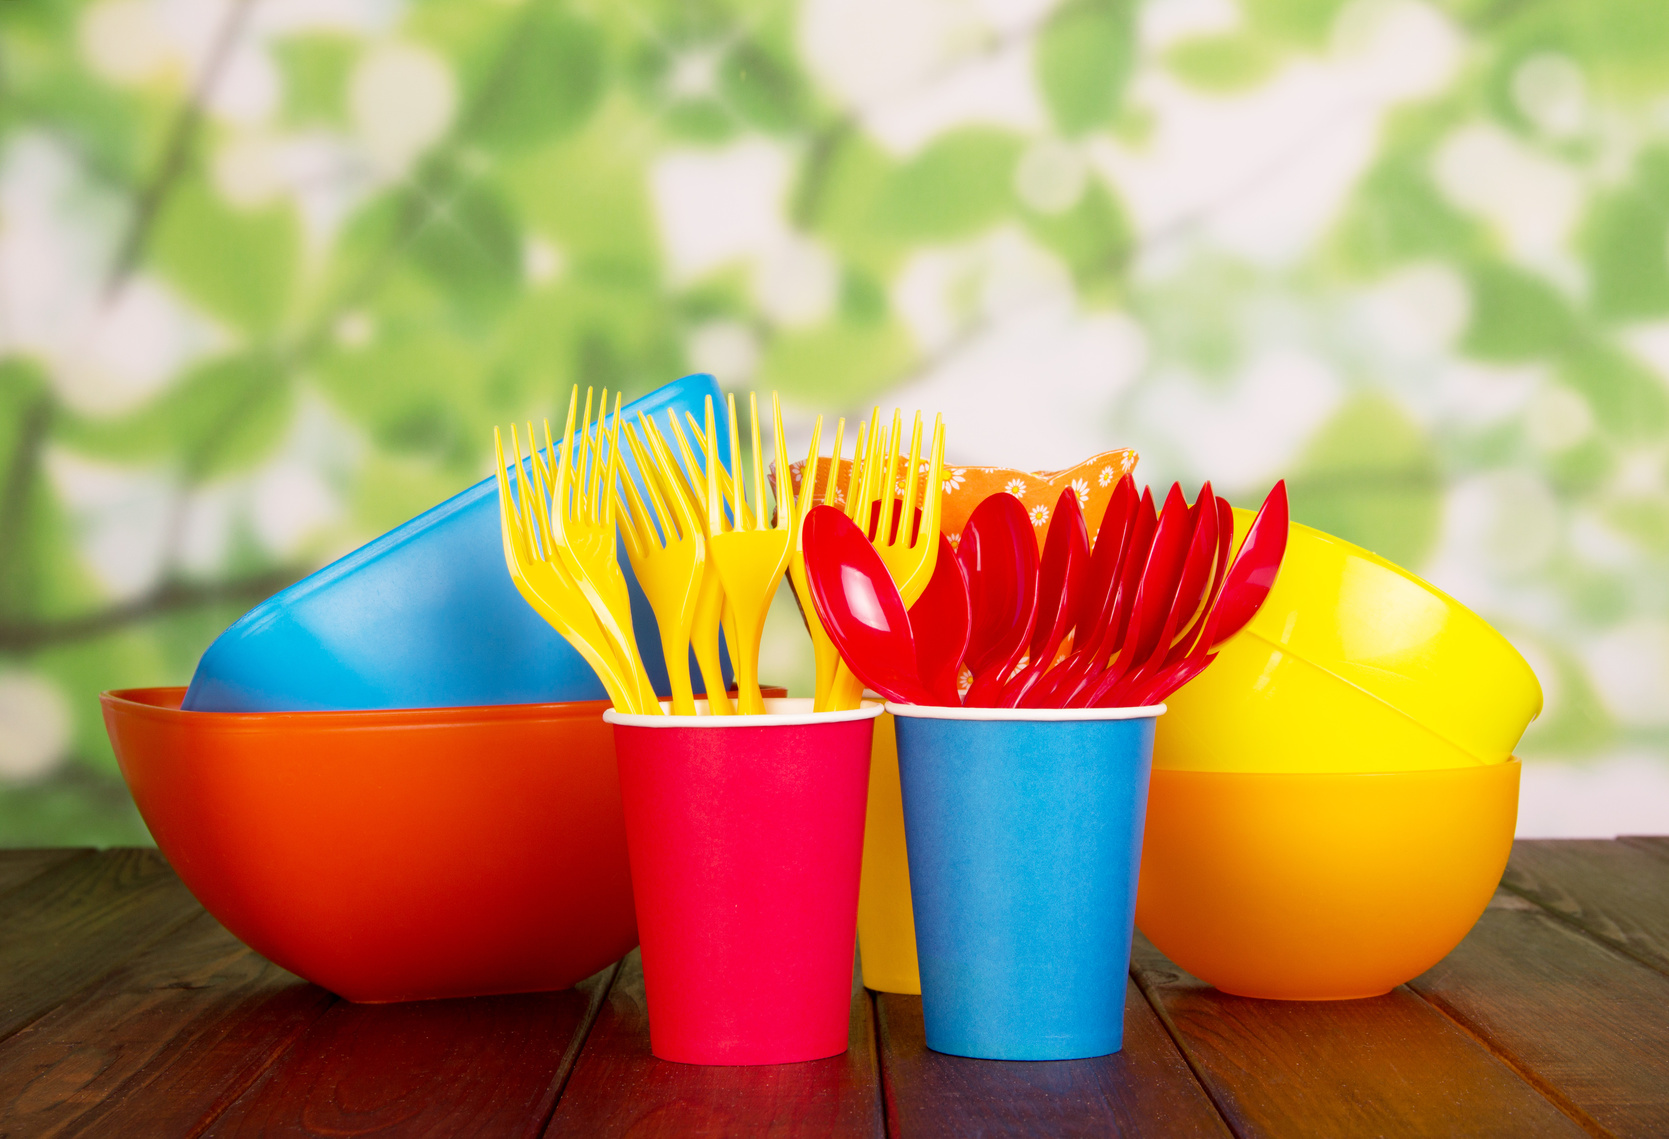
(937, 712)
(780, 713)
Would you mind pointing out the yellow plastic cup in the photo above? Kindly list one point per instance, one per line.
(886, 923)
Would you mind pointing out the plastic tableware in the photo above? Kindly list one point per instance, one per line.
(940, 622)
(905, 539)
(886, 923)
(1321, 885)
(580, 513)
(751, 555)
(1024, 829)
(668, 553)
(541, 578)
(1060, 587)
(392, 855)
(746, 838)
(1000, 557)
(1351, 664)
(860, 607)
(423, 617)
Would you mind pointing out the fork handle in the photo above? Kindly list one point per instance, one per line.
(748, 635)
(846, 692)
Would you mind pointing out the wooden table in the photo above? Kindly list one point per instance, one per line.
(126, 1010)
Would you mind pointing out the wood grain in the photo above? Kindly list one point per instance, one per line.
(17, 866)
(1655, 844)
(1390, 1065)
(1617, 891)
(453, 1068)
(159, 1046)
(618, 1088)
(1146, 1089)
(1585, 1023)
(71, 925)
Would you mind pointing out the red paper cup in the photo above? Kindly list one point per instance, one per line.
(746, 841)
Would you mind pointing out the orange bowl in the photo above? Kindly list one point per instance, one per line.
(392, 855)
(1321, 886)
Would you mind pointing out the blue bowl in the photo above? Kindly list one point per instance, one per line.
(1024, 834)
(425, 616)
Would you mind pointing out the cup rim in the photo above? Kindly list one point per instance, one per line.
(946, 712)
(781, 712)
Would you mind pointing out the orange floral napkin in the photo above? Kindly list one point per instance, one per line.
(967, 487)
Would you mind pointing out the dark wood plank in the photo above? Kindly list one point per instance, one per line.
(454, 1068)
(618, 1088)
(165, 1042)
(1390, 1065)
(1147, 1089)
(1616, 891)
(1586, 1024)
(68, 927)
(17, 866)
(1654, 843)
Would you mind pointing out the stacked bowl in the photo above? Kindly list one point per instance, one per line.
(1333, 800)
(393, 777)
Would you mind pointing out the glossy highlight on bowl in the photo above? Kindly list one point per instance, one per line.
(392, 855)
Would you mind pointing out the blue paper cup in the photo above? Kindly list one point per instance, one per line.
(1024, 833)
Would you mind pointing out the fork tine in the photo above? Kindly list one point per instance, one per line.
(640, 537)
(697, 479)
(730, 489)
(834, 461)
(933, 509)
(785, 481)
(715, 515)
(537, 505)
(662, 514)
(609, 496)
(808, 479)
(854, 473)
(671, 481)
(582, 468)
(565, 471)
(509, 519)
(526, 502)
(908, 519)
(737, 486)
(758, 465)
(889, 482)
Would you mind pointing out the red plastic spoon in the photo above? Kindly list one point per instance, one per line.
(999, 554)
(1060, 586)
(942, 621)
(860, 606)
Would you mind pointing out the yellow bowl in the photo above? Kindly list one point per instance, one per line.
(1352, 664)
(1321, 886)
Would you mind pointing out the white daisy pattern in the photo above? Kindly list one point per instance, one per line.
(1016, 487)
(1040, 514)
(1107, 475)
(1080, 487)
(952, 478)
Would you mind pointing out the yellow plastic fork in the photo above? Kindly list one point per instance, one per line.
(826, 656)
(668, 553)
(909, 562)
(751, 559)
(583, 531)
(712, 610)
(544, 582)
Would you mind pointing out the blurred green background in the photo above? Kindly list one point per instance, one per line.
(270, 270)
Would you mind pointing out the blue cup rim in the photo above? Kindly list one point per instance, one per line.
(951, 712)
